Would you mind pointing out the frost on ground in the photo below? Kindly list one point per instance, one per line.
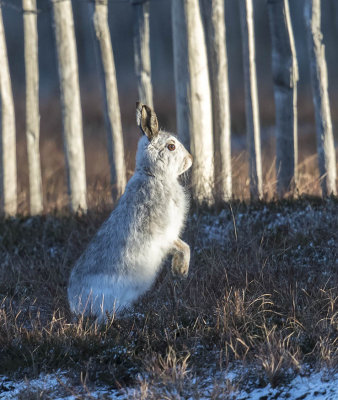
(222, 229)
(321, 385)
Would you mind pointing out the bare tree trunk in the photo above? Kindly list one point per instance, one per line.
(181, 71)
(142, 51)
(32, 105)
(285, 75)
(251, 99)
(193, 94)
(71, 105)
(216, 44)
(8, 185)
(325, 142)
(99, 11)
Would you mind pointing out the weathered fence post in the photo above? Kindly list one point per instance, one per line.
(193, 99)
(32, 105)
(251, 99)
(71, 105)
(142, 51)
(325, 142)
(99, 13)
(285, 75)
(8, 177)
(213, 12)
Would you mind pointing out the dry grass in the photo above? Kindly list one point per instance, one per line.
(266, 296)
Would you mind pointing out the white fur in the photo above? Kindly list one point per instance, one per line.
(124, 257)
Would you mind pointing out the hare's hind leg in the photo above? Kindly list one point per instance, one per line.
(181, 258)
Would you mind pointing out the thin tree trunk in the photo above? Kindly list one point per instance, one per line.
(181, 71)
(32, 105)
(142, 51)
(193, 94)
(8, 177)
(285, 75)
(325, 142)
(216, 44)
(71, 105)
(99, 12)
(251, 99)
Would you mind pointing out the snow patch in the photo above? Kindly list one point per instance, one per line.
(317, 386)
(321, 385)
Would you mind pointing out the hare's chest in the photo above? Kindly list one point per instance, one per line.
(175, 214)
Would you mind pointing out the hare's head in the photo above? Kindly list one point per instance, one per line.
(159, 153)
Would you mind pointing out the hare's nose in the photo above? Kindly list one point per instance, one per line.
(191, 157)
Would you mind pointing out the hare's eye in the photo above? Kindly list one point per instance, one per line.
(171, 147)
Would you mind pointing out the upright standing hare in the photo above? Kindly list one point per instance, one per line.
(123, 259)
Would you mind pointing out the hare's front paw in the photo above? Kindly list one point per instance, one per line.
(179, 265)
(181, 259)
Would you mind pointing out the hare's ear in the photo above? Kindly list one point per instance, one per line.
(147, 121)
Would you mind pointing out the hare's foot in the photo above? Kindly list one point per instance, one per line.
(181, 259)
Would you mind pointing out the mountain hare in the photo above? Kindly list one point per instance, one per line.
(123, 259)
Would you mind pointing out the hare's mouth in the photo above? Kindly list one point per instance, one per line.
(187, 163)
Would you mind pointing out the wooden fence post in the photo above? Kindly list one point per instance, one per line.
(99, 13)
(8, 176)
(32, 105)
(325, 142)
(71, 105)
(251, 99)
(142, 51)
(285, 75)
(193, 98)
(216, 45)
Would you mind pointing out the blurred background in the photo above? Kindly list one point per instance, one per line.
(120, 21)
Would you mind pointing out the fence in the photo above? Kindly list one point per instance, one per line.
(202, 97)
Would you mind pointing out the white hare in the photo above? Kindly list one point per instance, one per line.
(123, 259)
